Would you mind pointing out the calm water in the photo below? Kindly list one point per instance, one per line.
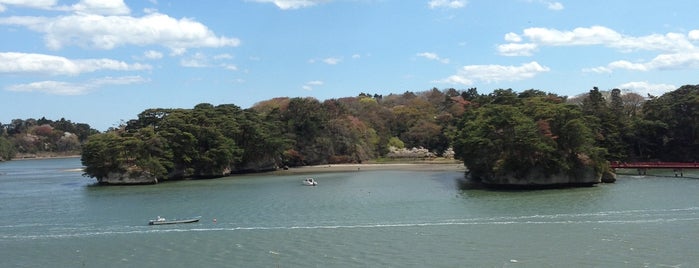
(51, 216)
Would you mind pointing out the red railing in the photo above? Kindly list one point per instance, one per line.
(673, 165)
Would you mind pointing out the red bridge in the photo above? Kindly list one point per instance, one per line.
(643, 166)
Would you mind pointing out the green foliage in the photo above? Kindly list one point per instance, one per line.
(102, 154)
(536, 135)
(396, 142)
(306, 125)
(528, 132)
(673, 119)
(645, 140)
(7, 150)
(260, 138)
(206, 141)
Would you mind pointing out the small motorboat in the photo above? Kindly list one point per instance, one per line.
(162, 221)
(310, 182)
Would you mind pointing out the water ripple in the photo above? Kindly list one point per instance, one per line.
(650, 216)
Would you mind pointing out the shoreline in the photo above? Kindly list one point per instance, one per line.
(451, 166)
(39, 157)
(329, 168)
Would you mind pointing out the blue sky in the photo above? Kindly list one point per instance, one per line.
(104, 61)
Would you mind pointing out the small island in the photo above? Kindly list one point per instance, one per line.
(534, 142)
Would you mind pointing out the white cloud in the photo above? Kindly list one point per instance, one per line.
(14, 62)
(152, 54)
(332, 60)
(292, 4)
(201, 60)
(643, 88)
(579, 36)
(669, 42)
(311, 84)
(198, 60)
(555, 6)
(598, 35)
(513, 37)
(108, 32)
(433, 56)
(52, 87)
(68, 88)
(681, 53)
(458, 79)
(622, 64)
(230, 67)
(102, 7)
(178, 51)
(599, 69)
(470, 74)
(693, 35)
(516, 49)
(38, 4)
(447, 3)
(673, 61)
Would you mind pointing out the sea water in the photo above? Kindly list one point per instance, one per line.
(51, 216)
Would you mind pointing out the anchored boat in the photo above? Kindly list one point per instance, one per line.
(161, 221)
(310, 182)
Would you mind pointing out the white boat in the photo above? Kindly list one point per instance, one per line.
(162, 221)
(310, 182)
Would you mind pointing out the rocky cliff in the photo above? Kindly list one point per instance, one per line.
(138, 175)
(125, 178)
(584, 174)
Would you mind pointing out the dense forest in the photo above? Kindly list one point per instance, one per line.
(524, 128)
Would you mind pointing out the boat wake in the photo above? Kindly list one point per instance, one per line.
(15, 232)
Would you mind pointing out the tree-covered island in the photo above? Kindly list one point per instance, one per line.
(505, 138)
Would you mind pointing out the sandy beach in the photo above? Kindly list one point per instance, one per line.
(436, 165)
(422, 166)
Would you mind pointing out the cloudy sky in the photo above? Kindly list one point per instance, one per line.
(104, 61)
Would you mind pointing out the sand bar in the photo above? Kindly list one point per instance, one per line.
(422, 166)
